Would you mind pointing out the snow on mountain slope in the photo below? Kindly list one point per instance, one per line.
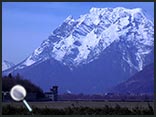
(72, 42)
(6, 65)
(98, 50)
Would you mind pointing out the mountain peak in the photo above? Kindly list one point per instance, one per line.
(94, 9)
(69, 18)
(82, 41)
(117, 9)
(6, 65)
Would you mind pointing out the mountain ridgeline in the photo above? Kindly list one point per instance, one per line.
(93, 53)
(141, 82)
(6, 65)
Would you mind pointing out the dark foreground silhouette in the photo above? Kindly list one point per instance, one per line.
(106, 110)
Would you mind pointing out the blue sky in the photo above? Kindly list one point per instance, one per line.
(26, 24)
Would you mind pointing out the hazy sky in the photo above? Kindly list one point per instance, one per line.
(26, 24)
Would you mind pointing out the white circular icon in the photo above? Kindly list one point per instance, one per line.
(18, 93)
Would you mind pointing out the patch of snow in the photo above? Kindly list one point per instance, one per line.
(124, 21)
(140, 61)
(29, 62)
(109, 35)
(90, 41)
(130, 63)
(69, 92)
(38, 51)
(6, 65)
(61, 48)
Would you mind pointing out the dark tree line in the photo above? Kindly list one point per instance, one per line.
(9, 81)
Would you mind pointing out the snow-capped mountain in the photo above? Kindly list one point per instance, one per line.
(6, 65)
(111, 42)
(81, 41)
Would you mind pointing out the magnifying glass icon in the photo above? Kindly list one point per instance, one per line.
(18, 93)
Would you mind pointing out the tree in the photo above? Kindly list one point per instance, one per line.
(9, 81)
